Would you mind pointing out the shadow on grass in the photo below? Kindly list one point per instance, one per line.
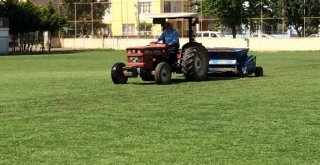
(53, 52)
(182, 80)
(22, 53)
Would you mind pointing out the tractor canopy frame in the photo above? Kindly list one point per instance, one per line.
(191, 17)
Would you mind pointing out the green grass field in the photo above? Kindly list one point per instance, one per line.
(64, 109)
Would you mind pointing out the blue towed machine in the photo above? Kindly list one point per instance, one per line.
(232, 61)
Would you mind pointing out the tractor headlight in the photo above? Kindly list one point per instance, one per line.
(134, 59)
(133, 51)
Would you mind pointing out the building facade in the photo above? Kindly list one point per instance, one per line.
(131, 17)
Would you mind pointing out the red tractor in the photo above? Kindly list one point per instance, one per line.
(151, 62)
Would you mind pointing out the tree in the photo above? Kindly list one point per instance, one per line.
(231, 13)
(25, 19)
(21, 15)
(294, 12)
(50, 20)
(313, 11)
(2, 8)
(271, 9)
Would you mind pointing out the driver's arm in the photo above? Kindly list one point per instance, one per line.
(161, 37)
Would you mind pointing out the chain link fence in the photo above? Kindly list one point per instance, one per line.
(84, 20)
(130, 19)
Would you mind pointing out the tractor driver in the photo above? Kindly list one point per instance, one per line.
(171, 37)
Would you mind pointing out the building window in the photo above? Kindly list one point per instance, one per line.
(167, 7)
(144, 7)
(188, 6)
(128, 29)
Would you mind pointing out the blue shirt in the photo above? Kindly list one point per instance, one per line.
(170, 37)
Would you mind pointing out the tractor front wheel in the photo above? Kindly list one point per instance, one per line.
(162, 73)
(258, 72)
(117, 74)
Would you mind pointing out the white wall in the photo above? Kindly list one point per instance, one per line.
(255, 44)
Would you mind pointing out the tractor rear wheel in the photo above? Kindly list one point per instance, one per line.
(117, 74)
(258, 72)
(163, 73)
(195, 62)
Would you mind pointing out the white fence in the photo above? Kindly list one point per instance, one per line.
(255, 44)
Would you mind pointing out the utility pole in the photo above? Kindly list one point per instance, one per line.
(304, 18)
(92, 32)
(138, 17)
(75, 25)
(201, 16)
(283, 20)
(261, 15)
(75, 20)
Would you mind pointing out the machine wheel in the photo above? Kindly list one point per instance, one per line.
(117, 74)
(162, 73)
(258, 72)
(195, 62)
